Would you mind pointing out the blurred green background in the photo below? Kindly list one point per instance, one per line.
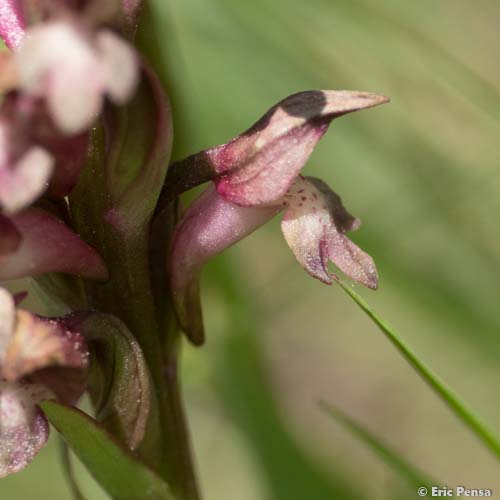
(422, 174)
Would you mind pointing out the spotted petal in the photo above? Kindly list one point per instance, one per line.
(314, 227)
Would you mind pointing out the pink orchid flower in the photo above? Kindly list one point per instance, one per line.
(256, 175)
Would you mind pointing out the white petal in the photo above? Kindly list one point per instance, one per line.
(25, 181)
(120, 70)
(56, 61)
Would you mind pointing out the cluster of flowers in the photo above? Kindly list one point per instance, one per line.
(62, 64)
(66, 61)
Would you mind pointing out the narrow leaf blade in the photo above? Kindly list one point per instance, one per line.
(452, 400)
(404, 469)
(114, 468)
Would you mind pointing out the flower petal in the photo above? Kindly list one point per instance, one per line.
(25, 181)
(11, 22)
(119, 66)
(48, 245)
(210, 225)
(58, 63)
(39, 343)
(23, 428)
(314, 225)
(284, 139)
(258, 166)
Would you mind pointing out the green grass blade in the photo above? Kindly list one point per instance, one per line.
(454, 402)
(405, 470)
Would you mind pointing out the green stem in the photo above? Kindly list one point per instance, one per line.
(176, 433)
(128, 294)
(454, 402)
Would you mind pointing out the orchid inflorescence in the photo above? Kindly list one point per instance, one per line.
(88, 211)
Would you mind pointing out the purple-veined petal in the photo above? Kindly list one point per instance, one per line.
(120, 70)
(257, 167)
(10, 238)
(314, 227)
(23, 428)
(12, 22)
(48, 245)
(210, 225)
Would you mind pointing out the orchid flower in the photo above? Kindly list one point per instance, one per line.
(256, 175)
(73, 70)
(58, 76)
(39, 360)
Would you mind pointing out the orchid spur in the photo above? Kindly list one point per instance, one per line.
(256, 175)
